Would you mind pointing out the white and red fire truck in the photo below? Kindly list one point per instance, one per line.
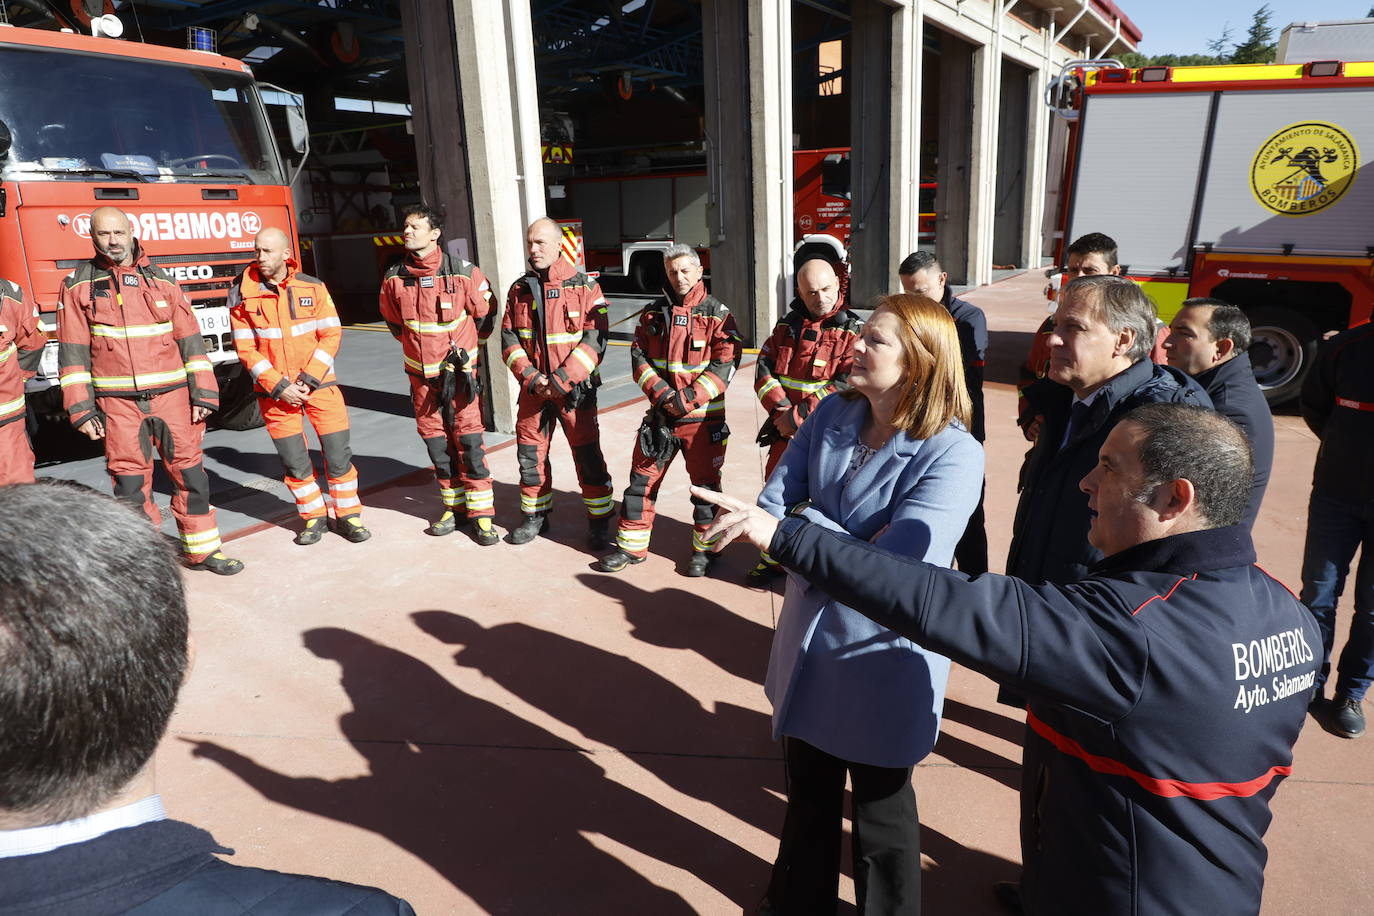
(1239, 182)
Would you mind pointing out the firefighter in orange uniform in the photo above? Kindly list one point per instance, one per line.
(21, 349)
(685, 352)
(808, 356)
(553, 336)
(439, 308)
(133, 371)
(287, 333)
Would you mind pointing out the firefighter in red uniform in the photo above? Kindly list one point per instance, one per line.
(686, 349)
(553, 336)
(21, 349)
(808, 356)
(133, 371)
(439, 307)
(287, 333)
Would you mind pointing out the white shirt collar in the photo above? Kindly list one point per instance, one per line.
(33, 840)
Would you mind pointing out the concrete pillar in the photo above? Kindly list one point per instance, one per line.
(955, 193)
(884, 69)
(477, 134)
(1037, 153)
(987, 80)
(748, 67)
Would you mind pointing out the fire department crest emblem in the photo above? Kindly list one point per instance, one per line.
(1304, 168)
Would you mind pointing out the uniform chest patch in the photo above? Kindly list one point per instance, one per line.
(680, 320)
(129, 279)
(427, 282)
(307, 301)
(553, 293)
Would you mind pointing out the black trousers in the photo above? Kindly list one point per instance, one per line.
(887, 837)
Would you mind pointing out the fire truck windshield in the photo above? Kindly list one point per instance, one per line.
(75, 115)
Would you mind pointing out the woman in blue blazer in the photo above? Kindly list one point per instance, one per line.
(889, 461)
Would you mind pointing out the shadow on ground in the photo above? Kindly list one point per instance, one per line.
(515, 817)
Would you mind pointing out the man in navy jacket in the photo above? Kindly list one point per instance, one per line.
(1104, 328)
(93, 652)
(1209, 340)
(1166, 689)
(921, 275)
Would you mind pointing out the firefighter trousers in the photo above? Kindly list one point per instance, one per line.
(16, 455)
(702, 446)
(329, 415)
(134, 427)
(458, 455)
(535, 420)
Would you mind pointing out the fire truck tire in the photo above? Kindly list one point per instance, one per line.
(1282, 346)
(646, 272)
(809, 252)
(238, 404)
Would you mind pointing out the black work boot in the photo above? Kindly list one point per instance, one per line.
(700, 562)
(312, 532)
(444, 524)
(530, 528)
(483, 532)
(599, 535)
(617, 560)
(221, 565)
(352, 529)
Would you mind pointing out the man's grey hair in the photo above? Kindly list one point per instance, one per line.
(1121, 304)
(1185, 441)
(680, 250)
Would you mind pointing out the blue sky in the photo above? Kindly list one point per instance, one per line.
(1185, 26)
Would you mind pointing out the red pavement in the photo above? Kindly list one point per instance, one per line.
(506, 730)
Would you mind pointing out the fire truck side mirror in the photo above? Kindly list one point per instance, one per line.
(6, 139)
(297, 128)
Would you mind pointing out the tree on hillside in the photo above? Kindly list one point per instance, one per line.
(1258, 47)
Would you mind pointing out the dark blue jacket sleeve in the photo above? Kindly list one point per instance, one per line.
(1074, 645)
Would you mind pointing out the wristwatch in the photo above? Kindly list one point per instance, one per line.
(796, 509)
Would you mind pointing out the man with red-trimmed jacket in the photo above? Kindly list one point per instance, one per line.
(553, 336)
(1167, 688)
(21, 350)
(807, 357)
(685, 352)
(439, 307)
(133, 372)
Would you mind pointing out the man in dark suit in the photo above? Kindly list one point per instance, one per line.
(93, 651)
(1209, 340)
(921, 275)
(1104, 328)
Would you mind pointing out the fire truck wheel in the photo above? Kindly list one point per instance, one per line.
(647, 273)
(238, 404)
(1282, 346)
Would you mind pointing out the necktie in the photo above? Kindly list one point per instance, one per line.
(1078, 418)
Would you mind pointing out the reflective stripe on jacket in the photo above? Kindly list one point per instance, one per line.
(287, 332)
(127, 332)
(21, 348)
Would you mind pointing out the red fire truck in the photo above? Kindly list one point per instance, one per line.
(177, 139)
(1239, 182)
(630, 220)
